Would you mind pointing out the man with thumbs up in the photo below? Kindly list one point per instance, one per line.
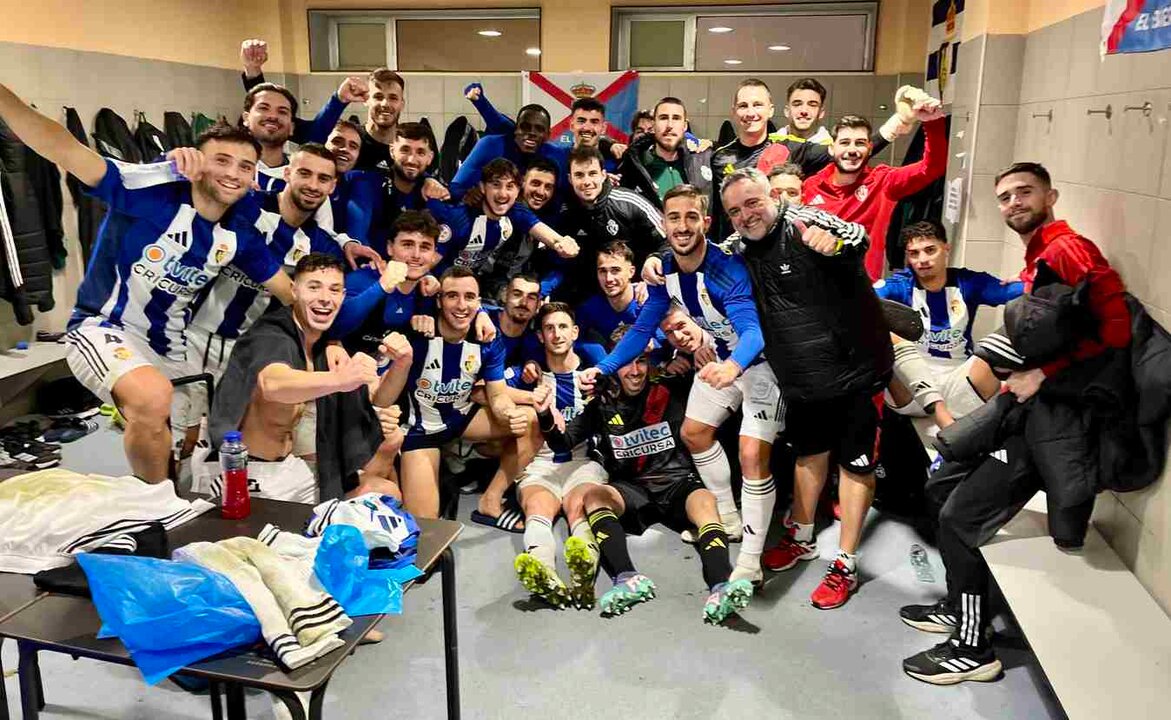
(828, 344)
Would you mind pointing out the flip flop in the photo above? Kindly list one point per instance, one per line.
(510, 520)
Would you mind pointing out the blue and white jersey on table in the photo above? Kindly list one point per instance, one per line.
(468, 238)
(718, 296)
(155, 254)
(948, 314)
(234, 301)
(439, 385)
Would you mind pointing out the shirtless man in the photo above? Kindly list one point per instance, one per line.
(276, 369)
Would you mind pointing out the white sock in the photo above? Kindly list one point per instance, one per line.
(716, 474)
(539, 540)
(757, 498)
(803, 532)
(581, 529)
(850, 560)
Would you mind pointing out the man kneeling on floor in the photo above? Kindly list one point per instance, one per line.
(278, 368)
(637, 424)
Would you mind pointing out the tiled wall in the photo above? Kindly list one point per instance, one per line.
(52, 78)
(1114, 179)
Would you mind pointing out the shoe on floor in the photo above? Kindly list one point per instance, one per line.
(726, 599)
(541, 580)
(938, 618)
(835, 588)
(637, 588)
(949, 663)
(582, 560)
(788, 552)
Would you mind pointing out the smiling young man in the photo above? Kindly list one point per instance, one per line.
(437, 392)
(939, 375)
(126, 338)
(715, 289)
(616, 304)
(857, 192)
(473, 236)
(663, 159)
(278, 377)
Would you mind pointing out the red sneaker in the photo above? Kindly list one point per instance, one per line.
(835, 587)
(788, 552)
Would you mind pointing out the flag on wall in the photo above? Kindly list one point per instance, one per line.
(557, 91)
(1134, 26)
(943, 46)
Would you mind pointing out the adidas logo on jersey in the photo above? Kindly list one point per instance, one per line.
(434, 365)
(1001, 455)
(180, 237)
(616, 420)
(762, 415)
(785, 269)
(860, 462)
(817, 200)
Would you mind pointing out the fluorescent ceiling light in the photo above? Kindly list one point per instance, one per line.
(779, 48)
(720, 29)
(733, 62)
(533, 51)
(489, 33)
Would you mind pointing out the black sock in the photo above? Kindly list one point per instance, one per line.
(713, 553)
(611, 542)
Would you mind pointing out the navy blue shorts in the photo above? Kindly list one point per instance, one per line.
(418, 440)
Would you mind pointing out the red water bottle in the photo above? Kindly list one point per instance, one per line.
(236, 502)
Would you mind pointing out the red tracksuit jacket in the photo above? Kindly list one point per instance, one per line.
(1074, 259)
(871, 200)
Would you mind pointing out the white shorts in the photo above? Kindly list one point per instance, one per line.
(958, 394)
(290, 479)
(206, 353)
(100, 356)
(756, 389)
(561, 478)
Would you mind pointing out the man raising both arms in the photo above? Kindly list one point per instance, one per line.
(126, 334)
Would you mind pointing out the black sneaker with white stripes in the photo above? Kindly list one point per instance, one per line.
(949, 663)
(938, 618)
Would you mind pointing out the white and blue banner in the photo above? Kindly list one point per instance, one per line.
(1135, 26)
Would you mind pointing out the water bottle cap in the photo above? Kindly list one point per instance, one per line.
(233, 436)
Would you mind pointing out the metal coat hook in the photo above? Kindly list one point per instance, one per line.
(1146, 108)
(1049, 115)
(1108, 112)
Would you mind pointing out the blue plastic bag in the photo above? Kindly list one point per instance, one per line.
(168, 614)
(342, 568)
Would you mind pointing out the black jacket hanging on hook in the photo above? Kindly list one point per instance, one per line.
(31, 238)
(113, 139)
(178, 130)
(90, 210)
(151, 141)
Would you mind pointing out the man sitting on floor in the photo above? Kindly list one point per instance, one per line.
(637, 425)
(276, 369)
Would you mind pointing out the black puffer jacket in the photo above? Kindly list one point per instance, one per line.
(824, 331)
(31, 236)
(697, 169)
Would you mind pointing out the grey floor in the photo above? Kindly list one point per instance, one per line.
(783, 659)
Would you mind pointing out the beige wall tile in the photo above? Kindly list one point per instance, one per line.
(1159, 267)
(694, 92)
(982, 255)
(1004, 58)
(854, 95)
(650, 89)
(969, 66)
(995, 138)
(1085, 62)
(1046, 51)
(983, 219)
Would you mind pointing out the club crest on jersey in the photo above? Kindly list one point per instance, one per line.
(154, 253)
(706, 173)
(862, 193)
(817, 200)
(444, 233)
(122, 353)
(612, 226)
(220, 253)
(470, 363)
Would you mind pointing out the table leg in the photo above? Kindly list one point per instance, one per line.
(40, 685)
(235, 695)
(293, 703)
(316, 700)
(217, 706)
(30, 699)
(3, 692)
(451, 641)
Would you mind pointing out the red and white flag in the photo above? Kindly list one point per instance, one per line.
(557, 91)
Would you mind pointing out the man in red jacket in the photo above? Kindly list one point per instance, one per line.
(973, 504)
(857, 192)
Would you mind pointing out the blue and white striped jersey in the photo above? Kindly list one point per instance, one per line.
(439, 385)
(155, 254)
(718, 296)
(369, 313)
(233, 302)
(567, 398)
(468, 238)
(948, 314)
